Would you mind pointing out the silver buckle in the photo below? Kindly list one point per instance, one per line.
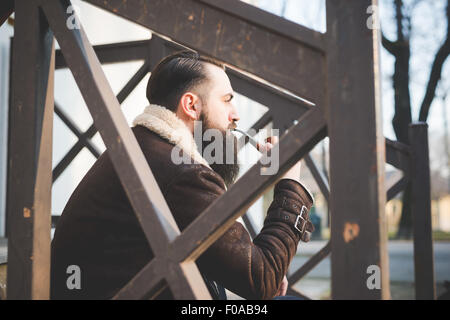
(300, 216)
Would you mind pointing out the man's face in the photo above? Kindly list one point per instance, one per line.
(218, 95)
(219, 113)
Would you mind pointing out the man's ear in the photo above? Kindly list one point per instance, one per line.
(190, 105)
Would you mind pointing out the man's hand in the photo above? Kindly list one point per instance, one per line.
(283, 287)
(294, 172)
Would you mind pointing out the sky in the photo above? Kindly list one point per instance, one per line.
(428, 15)
(428, 33)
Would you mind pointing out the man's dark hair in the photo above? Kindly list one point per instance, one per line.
(176, 74)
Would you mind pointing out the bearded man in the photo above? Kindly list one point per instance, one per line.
(99, 233)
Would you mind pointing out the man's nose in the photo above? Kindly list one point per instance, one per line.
(233, 116)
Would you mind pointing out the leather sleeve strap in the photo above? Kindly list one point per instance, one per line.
(288, 212)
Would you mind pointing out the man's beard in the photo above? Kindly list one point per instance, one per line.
(228, 171)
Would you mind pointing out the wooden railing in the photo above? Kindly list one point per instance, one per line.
(337, 72)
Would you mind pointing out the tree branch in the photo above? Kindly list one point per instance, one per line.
(399, 19)
(389, 45)
(436, 69)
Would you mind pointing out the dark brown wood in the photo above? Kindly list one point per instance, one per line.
(6, 9)
(218, 217)
(249, 225)
(114, 52)
(246, 85)
(399, 186)
(30, 155)
(9, 179)
(76, 131)
(133, 171)
(398, 155)
(157, 48)
(280, 103)
(259, 124)
(242, 43)
(92, 130)
(421, 212)
(284, 107)
(318, 177)
(240, 35)
(146, 284)
(186, 283)
(259, 17)
(310, 264)
(357, 152)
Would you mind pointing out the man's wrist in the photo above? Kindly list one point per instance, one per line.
(301, 190)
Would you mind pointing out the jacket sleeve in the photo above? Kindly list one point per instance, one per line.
(251, 269)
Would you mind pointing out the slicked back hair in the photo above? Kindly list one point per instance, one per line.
(176, 74)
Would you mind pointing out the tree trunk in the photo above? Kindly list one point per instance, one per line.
(405, 226)
(402, 117)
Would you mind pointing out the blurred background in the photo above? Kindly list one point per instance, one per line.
(414, 35)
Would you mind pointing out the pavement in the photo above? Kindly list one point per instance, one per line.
(3, 250)
(316, 284)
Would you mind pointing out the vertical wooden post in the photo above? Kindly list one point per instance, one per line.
(30, 155)
(421, 212)
(357, 153)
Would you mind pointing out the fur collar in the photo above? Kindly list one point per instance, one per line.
(167, 125)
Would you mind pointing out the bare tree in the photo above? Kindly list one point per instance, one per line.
(401, 50)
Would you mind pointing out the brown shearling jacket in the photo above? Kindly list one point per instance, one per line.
(98, 230)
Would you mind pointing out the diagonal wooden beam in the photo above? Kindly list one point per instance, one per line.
(284, 27)
(318, 177)
(186, 283)
(157, 48)
(321, 181)
(148, 283)
(114, 52)
(139, 183)
(92, 130)
(399, 186)
(291, 291)
(310, 264)
(254, 45)
(220, 215)
(129, 162)
(258, 125)
(249, 225)
(326, 250)
(398, 155)
(285, 106)
(30, 155)
(257, 90)
(76, 131)
(6, 10)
